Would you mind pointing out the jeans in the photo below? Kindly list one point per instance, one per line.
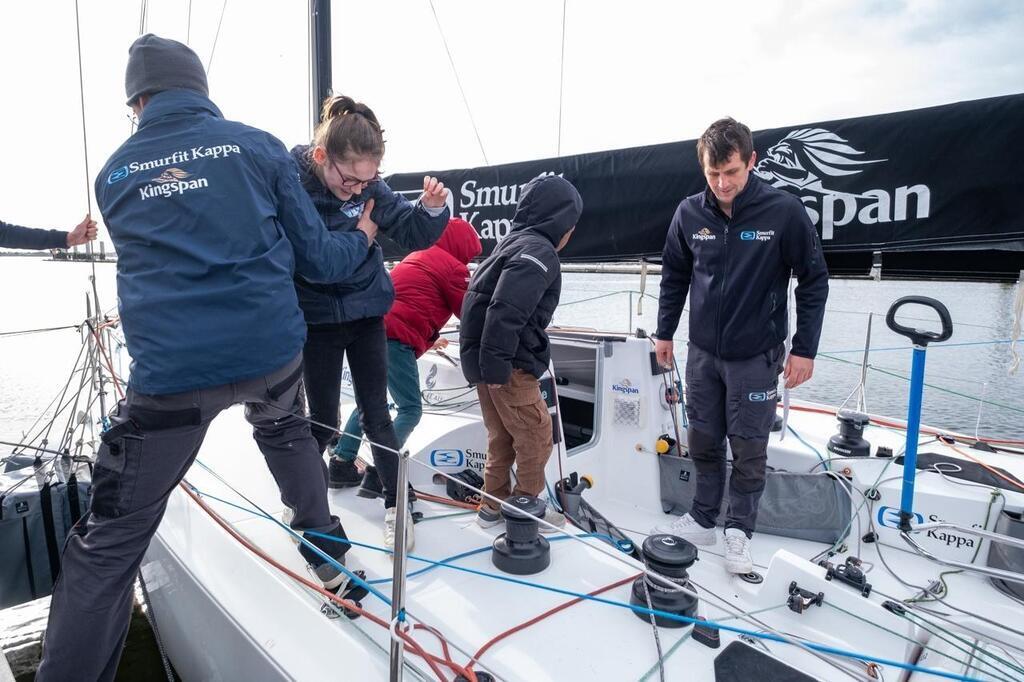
(404, 387)
(150, 446)
(364, 342)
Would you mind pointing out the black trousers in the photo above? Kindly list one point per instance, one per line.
(365, 344)
(150, 446)
(734, 399)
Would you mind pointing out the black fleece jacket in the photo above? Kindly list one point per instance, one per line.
(514, 293)
(737, 272)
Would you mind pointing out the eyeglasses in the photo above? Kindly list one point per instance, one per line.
(349, 181)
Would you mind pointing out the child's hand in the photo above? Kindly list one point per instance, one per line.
(434, 192)
(366, 224)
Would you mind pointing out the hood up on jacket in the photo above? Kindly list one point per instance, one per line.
(460, 240)
(549, 205)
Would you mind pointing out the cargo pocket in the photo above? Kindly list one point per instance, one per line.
(115, 475)
(524, 402)
(752, 409)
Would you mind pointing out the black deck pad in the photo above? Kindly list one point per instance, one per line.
(740, 662)
(965, 470)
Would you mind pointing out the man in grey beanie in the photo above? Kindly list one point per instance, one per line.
(210, 225)
(156, 64)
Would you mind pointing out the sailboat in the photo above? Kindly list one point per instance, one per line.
(886, 550)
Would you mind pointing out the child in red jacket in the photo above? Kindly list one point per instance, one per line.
(429, 287)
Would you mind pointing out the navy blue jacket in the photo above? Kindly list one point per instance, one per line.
(515, 291)
(210, 224)
(737, 272)
(368, 291)
(17, 237)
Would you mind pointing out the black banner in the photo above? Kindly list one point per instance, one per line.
(938, 179)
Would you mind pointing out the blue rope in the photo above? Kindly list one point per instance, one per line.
(806, 444)
(323, 555)
(601, 600)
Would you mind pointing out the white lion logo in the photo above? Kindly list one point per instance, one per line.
(802, 157)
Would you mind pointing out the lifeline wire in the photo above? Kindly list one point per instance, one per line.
(718, 625)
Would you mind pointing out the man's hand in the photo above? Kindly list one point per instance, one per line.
(366, 224)
(84, 232)
(439, 344)
(798, 370)
(434, 193)
(663, 352)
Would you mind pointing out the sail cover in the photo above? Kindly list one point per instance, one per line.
(933, 189)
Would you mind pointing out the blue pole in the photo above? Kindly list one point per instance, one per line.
(913, 427)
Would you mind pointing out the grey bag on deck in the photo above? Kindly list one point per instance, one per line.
(796, 505)
(35, 518)
(1006, 557)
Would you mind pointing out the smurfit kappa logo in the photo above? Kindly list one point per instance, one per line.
(447, 458)
(703, 235)
(808, 160)
(763, 396)
(757, 235)
(626, 387)
(118, 175)
(890, 517)
(431, 379)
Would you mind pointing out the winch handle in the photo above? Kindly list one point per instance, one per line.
(920, 337)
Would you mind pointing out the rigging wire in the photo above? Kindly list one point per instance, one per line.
(561, 81)
(216, 37)
(458, 82)
(85, 153)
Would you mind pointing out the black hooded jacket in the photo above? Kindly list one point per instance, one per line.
(514, 293)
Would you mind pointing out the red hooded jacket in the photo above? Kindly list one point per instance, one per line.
(430, 285)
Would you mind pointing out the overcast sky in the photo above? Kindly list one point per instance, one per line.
(635, 73)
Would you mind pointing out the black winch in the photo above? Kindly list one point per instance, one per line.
(669, 556)
(520, 549)
(849, 442)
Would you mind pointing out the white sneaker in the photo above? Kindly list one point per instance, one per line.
(287, 514)
(687, 528)
(737, 551)
(390, 521)
(553, 517)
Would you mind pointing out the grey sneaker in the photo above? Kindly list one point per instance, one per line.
(332, 578)
(554, 518)
(488, 518)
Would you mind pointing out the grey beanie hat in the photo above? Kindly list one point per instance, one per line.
(156, 64)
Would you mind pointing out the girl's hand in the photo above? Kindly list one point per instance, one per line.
(366, 224)
(434, 192)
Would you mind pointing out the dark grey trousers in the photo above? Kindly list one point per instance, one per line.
(151, 444)
(734, 398)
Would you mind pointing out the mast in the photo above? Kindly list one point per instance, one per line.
(319, 55)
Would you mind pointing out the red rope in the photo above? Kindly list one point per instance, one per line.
(991, 470)
(902, 427)
(446, 500)
(110, 365)
(413, 645)
(549, 612)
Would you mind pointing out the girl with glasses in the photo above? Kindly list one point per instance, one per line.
(340, 170)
